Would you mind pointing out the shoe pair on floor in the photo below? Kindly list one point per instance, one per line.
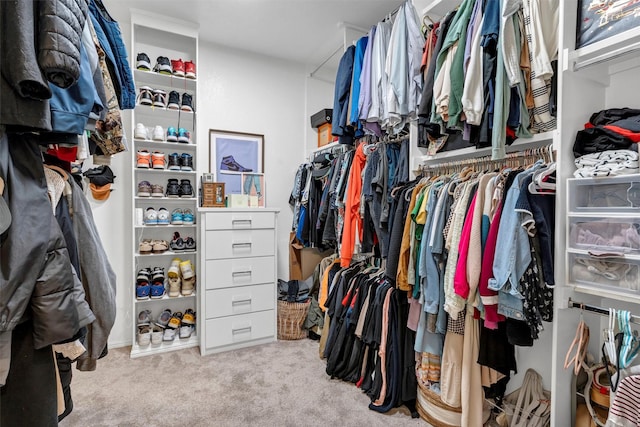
(175, 67)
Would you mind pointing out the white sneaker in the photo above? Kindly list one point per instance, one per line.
(141, 132)
(158, 134)
(156, 335)
(144, 335)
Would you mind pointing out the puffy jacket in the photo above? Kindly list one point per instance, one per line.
(59, 36)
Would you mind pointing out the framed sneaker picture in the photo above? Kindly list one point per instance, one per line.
(234, 156)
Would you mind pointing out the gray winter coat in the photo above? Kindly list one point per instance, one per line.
(60, 36)
(98, 278)
(37, 278)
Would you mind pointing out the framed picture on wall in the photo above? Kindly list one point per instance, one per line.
(234, 154)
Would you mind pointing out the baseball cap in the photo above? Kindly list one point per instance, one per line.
(100, 192)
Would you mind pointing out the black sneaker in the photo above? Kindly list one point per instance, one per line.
(174, 162)
(159, 98)
(145, 96)
(174, 100)
(186, 162)
(163, 65)
(173, 188)
(185, 188)
(187, 103)
(143, 62)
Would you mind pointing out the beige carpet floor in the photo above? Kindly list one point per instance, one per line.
(278, 384)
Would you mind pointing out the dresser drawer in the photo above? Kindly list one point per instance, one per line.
(222, 244)
(239, 220)
(225, 273)
(245, 299)
(605, 194)
(241, 328)
(616, 273)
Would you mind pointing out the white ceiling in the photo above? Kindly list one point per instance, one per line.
(303, 31)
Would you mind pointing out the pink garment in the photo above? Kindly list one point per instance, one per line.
(460, 282)
(414, 314)
(490, 297)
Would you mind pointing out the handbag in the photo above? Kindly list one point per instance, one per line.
(528, 406)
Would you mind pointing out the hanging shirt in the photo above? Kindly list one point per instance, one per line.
(352, 219)
(379, 82)
(358, 61)
(364, 98)
(341, 97)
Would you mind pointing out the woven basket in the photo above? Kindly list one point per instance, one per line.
(291, 317)
(436, 412)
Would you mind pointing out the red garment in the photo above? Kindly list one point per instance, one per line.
(629, 134)
(460, 282)
(352, 219)
(490, 297)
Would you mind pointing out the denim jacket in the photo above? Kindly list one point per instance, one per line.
(515, 254)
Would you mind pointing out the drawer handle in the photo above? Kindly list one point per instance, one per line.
(244, 330)
(244, 300)
(241, 273)
(241, 222)
(243, 245)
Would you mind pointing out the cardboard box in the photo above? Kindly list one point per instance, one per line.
(324, 135)
(302, 261)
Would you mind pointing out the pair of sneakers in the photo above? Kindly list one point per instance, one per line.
(150, 283)
(149, 134)
(182, 162)
(178, 244)
(178, 323)
(181, 135)
(159, 217)
(149, 334)
(181, 278)
(148, 160)
(184, 104)
(152, 97)
(182, 217)
(179, 189)
(181, 69)
(146, 189)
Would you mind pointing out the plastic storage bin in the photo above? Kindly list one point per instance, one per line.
(618, 193)
(611, 235)
(615, 273)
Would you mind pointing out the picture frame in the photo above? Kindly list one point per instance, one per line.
(218, 195)
(253, 186)
(232, 154)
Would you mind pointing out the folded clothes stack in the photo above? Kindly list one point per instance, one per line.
(607, 163)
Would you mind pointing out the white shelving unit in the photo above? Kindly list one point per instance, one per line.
(595, 77)
(161, 36)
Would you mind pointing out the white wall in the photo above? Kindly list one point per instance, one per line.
(238, 91)
(319, 95)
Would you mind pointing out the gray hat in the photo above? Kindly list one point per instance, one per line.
(5, 213)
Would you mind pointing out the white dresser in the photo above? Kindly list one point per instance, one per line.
(238, 270)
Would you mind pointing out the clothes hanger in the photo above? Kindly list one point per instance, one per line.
(58, 169)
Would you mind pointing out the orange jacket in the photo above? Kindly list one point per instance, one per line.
(352, 219)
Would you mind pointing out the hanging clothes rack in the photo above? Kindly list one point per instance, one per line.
(516, 159)
(599, 310)
(333, 149)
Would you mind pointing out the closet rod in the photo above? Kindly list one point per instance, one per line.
(599, 310)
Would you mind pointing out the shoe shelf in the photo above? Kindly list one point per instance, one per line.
(166, 199)
(166, 253)
(164, 298)
(164, 171)
(155, 227)
(163, 37)
(177, 344)
(164, 144)
(151, 78)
